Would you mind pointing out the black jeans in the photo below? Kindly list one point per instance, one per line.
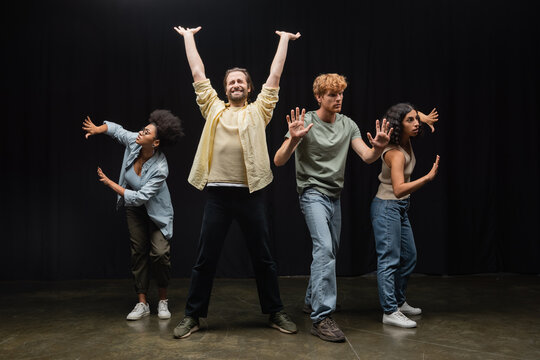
(223, 205)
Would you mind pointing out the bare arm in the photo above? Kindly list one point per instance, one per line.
(108, 182)
(279, 59)
(396, 161)
(381, 139)
(367, 154)
(297, 132)
(195, 62)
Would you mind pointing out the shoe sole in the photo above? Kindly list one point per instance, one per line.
(191, 331)
(326, 338)
(164, 317)
(137, 318)
(399, 325)
(285, 331)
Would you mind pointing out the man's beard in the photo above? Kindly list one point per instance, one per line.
(238, 97)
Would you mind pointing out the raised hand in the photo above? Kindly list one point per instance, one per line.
(431, 175)
(184, 31)
(288, 35)
(90, 128)
(430, 119)
(296, 124)
(382, 135)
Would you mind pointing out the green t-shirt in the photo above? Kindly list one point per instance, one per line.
(322, 153)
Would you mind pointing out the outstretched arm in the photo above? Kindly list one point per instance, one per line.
(381, 139)
(195, 62)
(92, 129)
(279, 59)
(297, 132)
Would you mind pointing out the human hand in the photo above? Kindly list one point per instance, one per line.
(430, 119)
(102, 177)
(296, 124)
(382, 135)
(187, 31)
(90, 128)
(433, 172)
(288, 35)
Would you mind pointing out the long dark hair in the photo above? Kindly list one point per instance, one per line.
(394, 116)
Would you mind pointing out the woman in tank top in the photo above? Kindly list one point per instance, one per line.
(394, 241)
(143, 191)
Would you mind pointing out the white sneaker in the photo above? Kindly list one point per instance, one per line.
(398, 319)
(139, 311)
(407, 309)
(163, 309)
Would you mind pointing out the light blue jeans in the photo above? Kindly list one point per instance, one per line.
(323, 218)
(396, 252)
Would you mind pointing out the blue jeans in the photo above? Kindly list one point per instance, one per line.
(323, 218)
(225, 204)
(396, 252)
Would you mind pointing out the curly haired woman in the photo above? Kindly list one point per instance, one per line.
(144, 193)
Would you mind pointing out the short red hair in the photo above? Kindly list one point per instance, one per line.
(329, 82)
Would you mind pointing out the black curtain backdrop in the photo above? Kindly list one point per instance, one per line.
(476, 61)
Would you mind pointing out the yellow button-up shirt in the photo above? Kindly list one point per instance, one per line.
(252, 121)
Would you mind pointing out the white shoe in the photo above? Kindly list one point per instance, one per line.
(139, 311)
(398, 319)
(163, 309)
(407, 309)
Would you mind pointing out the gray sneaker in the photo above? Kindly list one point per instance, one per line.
(186, 327)
(407, 309)
(327, 329)
(281, 321)
(398, 319)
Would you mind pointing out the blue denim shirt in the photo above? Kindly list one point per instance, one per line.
(154, 194)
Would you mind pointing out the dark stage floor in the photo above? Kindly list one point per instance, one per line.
(465, 317)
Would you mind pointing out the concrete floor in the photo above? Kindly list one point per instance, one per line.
(465, 317)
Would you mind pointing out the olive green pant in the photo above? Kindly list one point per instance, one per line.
(150, 251)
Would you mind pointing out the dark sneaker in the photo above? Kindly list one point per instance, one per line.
(307, 309)
(187, 326)
(281, 321)
(327, 329)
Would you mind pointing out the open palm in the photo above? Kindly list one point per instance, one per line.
(296, 123)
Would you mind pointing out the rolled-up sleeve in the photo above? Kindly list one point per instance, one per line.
(207, 97)
(152, 186)
(266, 102)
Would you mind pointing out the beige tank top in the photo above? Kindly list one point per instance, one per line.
(386, 191)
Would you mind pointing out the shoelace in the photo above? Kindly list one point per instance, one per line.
(401, 316)
(184, 321)
(162, 306)
(285, 316)
(330, 322)
(139, 307)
